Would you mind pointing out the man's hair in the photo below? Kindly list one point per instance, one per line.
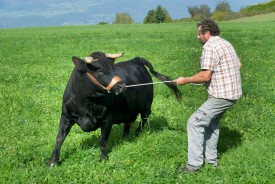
(209, 25)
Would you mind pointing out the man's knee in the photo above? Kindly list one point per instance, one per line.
(192, 120)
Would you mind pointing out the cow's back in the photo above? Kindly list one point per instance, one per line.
(133, 72)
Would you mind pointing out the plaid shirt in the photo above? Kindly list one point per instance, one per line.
(220, 57)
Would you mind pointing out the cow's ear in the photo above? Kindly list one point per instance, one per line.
(79, 64)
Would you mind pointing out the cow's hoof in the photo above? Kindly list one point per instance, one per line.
(52, 163)
(103, 159)
(138, 132)
(125, 135)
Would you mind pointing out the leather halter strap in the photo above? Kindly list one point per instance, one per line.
(115, 80)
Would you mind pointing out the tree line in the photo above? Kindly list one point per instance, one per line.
(159, 15)
(222, 12)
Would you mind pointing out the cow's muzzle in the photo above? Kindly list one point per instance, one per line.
(119, 87)
(116, 84)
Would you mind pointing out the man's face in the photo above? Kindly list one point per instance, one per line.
(203, 37)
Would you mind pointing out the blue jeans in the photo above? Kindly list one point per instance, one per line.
(203, 132)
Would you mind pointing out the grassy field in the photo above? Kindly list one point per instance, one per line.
(36, 64)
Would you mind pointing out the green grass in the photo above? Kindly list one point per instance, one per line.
(36, 64)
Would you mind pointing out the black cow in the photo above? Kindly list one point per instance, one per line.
(95, 97)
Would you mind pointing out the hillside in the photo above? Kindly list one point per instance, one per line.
(262, 17)
(259, 12)
(262, 8)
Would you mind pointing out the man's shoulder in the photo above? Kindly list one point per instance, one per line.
(216, 42)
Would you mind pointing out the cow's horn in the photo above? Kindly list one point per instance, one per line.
(114, 56)
(89, 59)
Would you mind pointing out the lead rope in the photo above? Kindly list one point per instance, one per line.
(151, 83)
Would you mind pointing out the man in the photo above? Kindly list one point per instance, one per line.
(220, 71)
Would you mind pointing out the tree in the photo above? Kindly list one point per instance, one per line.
(198, 13)
(223, 7)
(123, 18)
(193, 10)
(150, 17)
(102, 23)
(167, 16)
(205, 11)
(223, 12)
(160, 15)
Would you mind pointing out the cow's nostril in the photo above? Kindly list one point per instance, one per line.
(121, 85)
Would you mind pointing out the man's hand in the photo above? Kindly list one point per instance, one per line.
(180, 81)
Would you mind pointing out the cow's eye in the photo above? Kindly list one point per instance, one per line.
(93, 67)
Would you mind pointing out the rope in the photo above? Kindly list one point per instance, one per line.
(151, 83)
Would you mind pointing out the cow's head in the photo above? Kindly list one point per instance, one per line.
(100, 55)
(99, 68)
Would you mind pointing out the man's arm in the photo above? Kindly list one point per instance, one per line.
(202, 76)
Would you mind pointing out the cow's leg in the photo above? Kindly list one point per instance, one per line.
(141, 125)
(126, 130)
(63, 130)
(144, 117)
(103, 139)
(127, 127)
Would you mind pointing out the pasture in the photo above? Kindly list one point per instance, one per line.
(35, 67)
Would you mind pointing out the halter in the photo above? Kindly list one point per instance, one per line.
(114, 80)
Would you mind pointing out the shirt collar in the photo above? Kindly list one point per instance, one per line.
(211, 40)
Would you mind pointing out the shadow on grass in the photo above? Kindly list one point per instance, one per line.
(153, 125)
(228, 139)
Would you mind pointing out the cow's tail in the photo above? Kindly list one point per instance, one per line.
(163, 78)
